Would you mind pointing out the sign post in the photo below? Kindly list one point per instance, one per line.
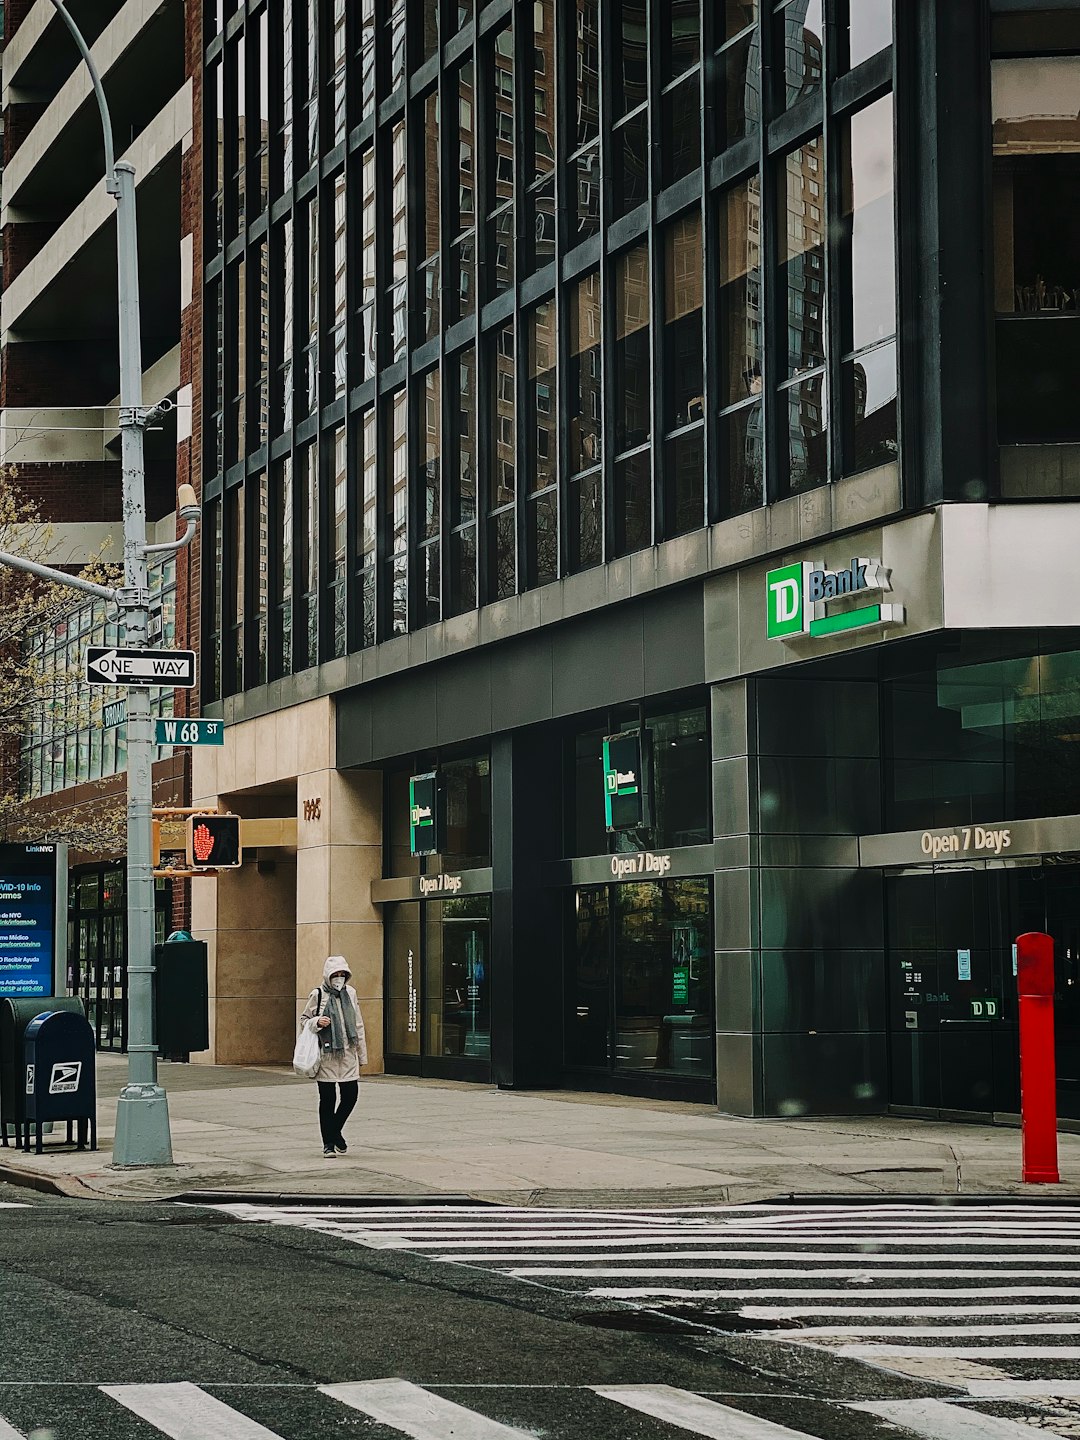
(1038, 1098)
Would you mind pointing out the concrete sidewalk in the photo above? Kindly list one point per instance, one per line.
(256, 1130)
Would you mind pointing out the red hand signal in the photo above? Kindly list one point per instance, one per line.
(202, 842)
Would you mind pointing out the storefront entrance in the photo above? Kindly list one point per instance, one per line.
(952, 989)
(438, 980)
(639, 987)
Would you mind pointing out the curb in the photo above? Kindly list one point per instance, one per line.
(285, 1197)
(982, 1198)
(29, 1181)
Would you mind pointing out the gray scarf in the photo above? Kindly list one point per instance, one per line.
(342, 1012)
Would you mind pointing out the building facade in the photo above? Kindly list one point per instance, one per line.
(59, 414)
(678, 381)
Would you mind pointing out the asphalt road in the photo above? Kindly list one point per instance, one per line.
(136, 1321)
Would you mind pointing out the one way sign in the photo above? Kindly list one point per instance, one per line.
(173, 669)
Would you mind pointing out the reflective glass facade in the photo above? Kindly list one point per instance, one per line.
(502, 293)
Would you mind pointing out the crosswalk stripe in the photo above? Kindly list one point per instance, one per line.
(7, 1432)
(799, 1312)
(418, 1413)
(938, 1420)
(959, 1352)
(688, 1411)
(13, 1205)
(644, 1242)
(184, 1412)
(671, 1292)
(934, 1332)
(1024, 1389)
(871, 1257)
(858, 1272)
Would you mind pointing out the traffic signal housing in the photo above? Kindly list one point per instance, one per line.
(213, 842)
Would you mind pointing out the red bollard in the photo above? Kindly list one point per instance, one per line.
(1038, 1097)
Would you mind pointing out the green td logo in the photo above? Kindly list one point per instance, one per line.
(784, 592)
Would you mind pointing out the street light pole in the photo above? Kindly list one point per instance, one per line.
(142, 1115)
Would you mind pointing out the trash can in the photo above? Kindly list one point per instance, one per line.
(60, 1076)
(15, 1015)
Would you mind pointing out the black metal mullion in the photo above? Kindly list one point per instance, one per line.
(836, 288)
(606, 22)
(773, 313)
(486, 365)
(654, 242)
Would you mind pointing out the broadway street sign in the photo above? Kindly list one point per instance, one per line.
(173, 669)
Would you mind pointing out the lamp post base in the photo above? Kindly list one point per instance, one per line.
(142, 1127)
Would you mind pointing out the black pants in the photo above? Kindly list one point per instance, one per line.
(332, 1119)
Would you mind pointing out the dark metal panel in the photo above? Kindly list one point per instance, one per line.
(738, 991)
(674, 641)
(813, 909)
(731, 796)
(738, 1074)
(598, 662)
(521, 682)
(403, 715)
(463, 698)
(823, 990)
(824, 1074)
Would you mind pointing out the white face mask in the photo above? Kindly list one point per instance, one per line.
(337, 982)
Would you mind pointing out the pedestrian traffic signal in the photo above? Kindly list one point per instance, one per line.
(213, 842)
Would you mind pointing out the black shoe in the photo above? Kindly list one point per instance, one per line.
(339, 1144)
(329, 1150)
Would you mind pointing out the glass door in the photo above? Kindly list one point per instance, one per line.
(639, 981)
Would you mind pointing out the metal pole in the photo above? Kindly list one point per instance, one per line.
(142, 1112)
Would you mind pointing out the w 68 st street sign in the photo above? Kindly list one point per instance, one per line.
(172, 669)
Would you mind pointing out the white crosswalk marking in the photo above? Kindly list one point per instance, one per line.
(418, 1413)
(7, 1432)
(938, 1420)
(688, 1411)
(13, 1205)
(900, 1285)
(184, 1412)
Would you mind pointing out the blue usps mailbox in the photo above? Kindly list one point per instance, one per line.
(61, 1082)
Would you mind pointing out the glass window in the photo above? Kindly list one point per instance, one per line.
(339, 540)
(542, 449)
(462, 493)
(663, 965)
(503, 451)
(399, 244)
(403, 977)
(588, 983)
(428, 171)
(310, 388)
(684, 400)
(540, 137)
(288, 59)
(633, 376)
(396, 512)
(429, 601)
(869, 28)
(282, 566)
(869, 371)
(367, 505)
(501, 153)
(740, 293)
(738, 72)
(682, 128)
(457, 976)
(340, 329)
(466, 789)
(798, 32)
(461, 283)
(802, 257)
(285, 280)
(632, 56)
(630, 147)
(365, 283)
(306, 557)
(428, 30)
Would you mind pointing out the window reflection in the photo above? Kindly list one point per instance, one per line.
(869, 29)
(798, 31)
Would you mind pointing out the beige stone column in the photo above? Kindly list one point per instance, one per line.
(339, 853)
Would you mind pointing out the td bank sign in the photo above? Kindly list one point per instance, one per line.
(800, 599)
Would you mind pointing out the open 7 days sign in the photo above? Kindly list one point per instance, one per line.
(799, 599)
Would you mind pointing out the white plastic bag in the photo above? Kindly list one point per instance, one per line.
(306, 1058)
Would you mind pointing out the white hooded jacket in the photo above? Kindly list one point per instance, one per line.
(343, 1066)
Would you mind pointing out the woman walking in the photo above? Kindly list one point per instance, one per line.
(342, 1049)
